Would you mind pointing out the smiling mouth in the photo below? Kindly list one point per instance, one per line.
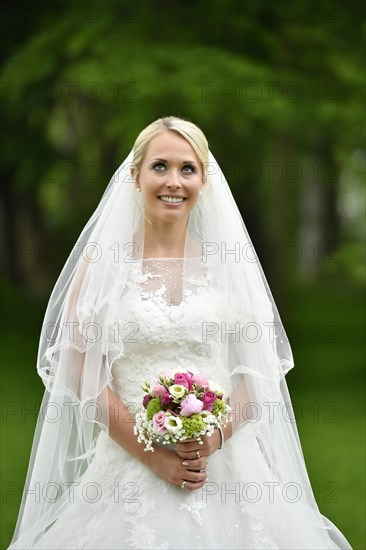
(171, 200)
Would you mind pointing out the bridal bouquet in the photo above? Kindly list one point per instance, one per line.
(181, 405)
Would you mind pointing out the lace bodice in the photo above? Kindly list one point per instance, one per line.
(168, 315)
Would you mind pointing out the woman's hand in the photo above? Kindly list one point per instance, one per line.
(192, 449)
(169, 466)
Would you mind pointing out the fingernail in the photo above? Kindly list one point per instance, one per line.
(185, 463)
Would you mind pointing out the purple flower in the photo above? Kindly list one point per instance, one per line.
(190, 405)
(184, 379)
(166, 400)
(146, 399)
(208, 398)
(159, 423)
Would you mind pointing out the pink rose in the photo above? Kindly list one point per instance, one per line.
(208, 398)
(158, 423)
(184, 379)
(166, 399)
(199, 380)
(191, 405)
(146, 399)
(157, 390)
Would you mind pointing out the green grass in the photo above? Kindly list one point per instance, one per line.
(21, 394)
(326, 330)
(327, 388)
(331, 426)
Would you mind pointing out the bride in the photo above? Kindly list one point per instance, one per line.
(164, 277)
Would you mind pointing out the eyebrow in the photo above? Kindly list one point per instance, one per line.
(184, 161)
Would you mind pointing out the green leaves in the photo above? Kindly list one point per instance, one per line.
(80, 87)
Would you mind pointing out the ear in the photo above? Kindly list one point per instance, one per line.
(133, 175)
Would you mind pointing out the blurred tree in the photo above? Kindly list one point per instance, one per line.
(275, 87)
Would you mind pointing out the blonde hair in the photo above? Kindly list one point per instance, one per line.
(189, 131)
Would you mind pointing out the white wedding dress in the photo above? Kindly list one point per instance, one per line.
(120, 503)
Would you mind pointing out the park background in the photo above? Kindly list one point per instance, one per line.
(279, 88)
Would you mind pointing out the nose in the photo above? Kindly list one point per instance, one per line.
(174, 182)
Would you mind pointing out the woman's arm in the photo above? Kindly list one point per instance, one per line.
(121, 424)
(228, 432)
(164, 463)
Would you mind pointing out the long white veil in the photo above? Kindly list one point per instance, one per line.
(77, 350)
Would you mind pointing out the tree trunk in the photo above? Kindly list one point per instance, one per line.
(320, 223)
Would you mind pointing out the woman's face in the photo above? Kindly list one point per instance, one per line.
(170, 178)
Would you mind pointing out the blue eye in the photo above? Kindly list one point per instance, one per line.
(187, 168)
(191, 169)
(158, 165)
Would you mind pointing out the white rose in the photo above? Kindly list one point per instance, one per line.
(173, 423)
(215, 387)
(177, 390)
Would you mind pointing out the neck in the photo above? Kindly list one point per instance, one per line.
(164, 239)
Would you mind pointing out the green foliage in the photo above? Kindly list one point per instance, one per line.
(192, 425)
(348, 264)
(153, 407)
(218, 406)
(81, 86)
